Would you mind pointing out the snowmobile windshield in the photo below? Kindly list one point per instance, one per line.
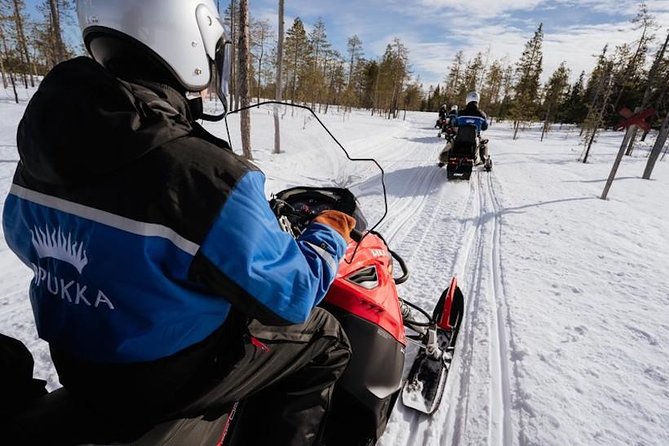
(317, 150)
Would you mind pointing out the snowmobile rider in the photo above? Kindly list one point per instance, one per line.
(448, 126)
(473, 116)
(443, 110)
(452, 115)
(162, 280)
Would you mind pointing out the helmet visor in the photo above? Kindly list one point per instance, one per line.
(223, 64)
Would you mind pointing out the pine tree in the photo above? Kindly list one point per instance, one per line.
(319, 48)
(492, 87)
(354, 50)
(393, 73)
(261, 34)
(556, 90)
(528, 71)
(470, 78)
(296, 47)
(454, 77)
(601, 85)
(574, 108)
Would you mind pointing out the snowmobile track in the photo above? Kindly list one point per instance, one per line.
(501, 428)
(486, 325)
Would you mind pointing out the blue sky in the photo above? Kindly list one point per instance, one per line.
(434, 30)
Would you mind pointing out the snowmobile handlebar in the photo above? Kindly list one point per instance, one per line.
(403, 266)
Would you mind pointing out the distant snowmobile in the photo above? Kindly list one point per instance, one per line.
(466, 151)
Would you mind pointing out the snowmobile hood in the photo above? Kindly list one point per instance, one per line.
(83, 122)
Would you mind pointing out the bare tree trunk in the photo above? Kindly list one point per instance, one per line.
(243, 84)
(600, 115)
(657, 148)
(2, 71)
(546, 123)
(375, 103)
(234, 97)
(634, 130)
(262, 51)
(16, 95)
(57, 39)
(279, 79)
(2, 57)
(11, 75)
(20, 36)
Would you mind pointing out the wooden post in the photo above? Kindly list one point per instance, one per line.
(616, 164)
(657, 148)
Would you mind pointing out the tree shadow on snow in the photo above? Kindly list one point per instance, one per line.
(402, 182)
(484, 218)
(603, 180)
(425, 139)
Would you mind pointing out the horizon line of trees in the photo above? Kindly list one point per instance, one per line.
(634, 74)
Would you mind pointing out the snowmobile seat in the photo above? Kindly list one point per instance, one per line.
(465, 142)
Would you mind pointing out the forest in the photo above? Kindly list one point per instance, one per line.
(634, 75)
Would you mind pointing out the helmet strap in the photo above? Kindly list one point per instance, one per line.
(196, 108)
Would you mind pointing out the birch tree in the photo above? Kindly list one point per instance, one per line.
(279, 80)
(243, 79)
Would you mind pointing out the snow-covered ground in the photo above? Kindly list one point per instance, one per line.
(566, 333)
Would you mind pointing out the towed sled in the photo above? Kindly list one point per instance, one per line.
(363, 297)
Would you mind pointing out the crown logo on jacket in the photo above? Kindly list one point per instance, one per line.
(54, 244)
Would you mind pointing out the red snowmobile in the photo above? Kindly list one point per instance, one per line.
(379, 324)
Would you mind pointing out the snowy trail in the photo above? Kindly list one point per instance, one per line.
(442, 228)
(500, 398)
(552, 278)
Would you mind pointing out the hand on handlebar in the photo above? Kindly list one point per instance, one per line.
(339, 221)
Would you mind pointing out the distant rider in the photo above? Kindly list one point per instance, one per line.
(452, 115)
(448, 126)
(473, 116)
(470, 116)
(443, 110)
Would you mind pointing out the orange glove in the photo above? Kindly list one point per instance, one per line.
(339, 221)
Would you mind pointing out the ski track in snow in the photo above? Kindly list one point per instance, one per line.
(501, 430)
(456, 224)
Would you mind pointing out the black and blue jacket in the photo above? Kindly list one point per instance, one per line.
(142, 229)
(472, 116)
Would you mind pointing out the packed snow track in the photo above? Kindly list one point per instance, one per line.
(442, 228)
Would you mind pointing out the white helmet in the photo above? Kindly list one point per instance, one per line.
(454, 108)
(182, 38)
(472, 96)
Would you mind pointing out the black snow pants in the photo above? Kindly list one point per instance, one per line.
(286, 374)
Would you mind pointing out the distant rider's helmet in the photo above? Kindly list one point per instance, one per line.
(181, 43)
(454, 108)
(472, 96)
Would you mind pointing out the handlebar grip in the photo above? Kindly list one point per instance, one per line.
(356, 235)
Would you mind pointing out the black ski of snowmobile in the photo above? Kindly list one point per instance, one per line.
(426, 382)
